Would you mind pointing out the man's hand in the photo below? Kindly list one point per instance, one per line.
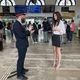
(30, 28)
(32, 31)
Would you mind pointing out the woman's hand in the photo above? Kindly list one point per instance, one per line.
(56, 29)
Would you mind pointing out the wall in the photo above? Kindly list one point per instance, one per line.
(40, 15)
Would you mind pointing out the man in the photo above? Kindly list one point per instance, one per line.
(21, 35)
(1, 34)
(79, 30)
(72, 30)
(35, 34)
(46, 28)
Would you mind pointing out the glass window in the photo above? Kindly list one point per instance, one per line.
(62, 2)
(74, 2)
(68, 3)
(57, 2)
(65, 2)
(35, 2)
(7, 2)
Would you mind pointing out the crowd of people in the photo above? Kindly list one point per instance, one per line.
(41, 31)
(5, 32)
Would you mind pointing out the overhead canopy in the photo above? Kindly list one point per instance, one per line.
(26, 2)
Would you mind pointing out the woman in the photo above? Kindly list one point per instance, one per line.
(72, 29)
(58, 29)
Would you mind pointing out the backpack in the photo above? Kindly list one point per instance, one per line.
(68, 28)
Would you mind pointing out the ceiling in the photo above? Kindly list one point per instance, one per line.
(22, 2)
(48, 2)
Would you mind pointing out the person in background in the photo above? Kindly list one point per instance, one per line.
(58, 29)
(9, 29)
(4, 32)
(67, 31)
(79, 30)
(1, 34)
(46, 28)
(21, 35)
(63, 37)
(29, 24)
(40, 36)
(12, 35)
(35, 33)
(72, 29)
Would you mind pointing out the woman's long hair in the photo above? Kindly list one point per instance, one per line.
(59, 17)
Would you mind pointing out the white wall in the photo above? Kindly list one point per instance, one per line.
(39, 15)
(0, 9)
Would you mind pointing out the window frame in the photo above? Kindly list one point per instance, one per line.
(8, 3)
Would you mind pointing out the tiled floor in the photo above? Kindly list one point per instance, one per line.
(39, 60)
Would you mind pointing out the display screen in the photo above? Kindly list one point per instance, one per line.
(34, 9)
(21, 9)
(64, 9)
(48, 8)
(28, 9)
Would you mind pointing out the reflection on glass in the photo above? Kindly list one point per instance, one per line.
(7, 2)
(35, 2)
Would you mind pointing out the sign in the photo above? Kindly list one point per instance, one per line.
(34, 9)
(28, 9)
(20, 9)
(68, 14)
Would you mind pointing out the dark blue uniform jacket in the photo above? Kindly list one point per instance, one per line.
(21, 35)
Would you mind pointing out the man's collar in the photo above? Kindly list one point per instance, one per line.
(19, 21)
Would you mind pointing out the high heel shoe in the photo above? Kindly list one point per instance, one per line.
(57, 67)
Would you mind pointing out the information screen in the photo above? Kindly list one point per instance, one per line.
(34, 9)
(21, 9)
(28, 9)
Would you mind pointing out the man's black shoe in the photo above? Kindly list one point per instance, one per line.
(22, 77)
(25, 70)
